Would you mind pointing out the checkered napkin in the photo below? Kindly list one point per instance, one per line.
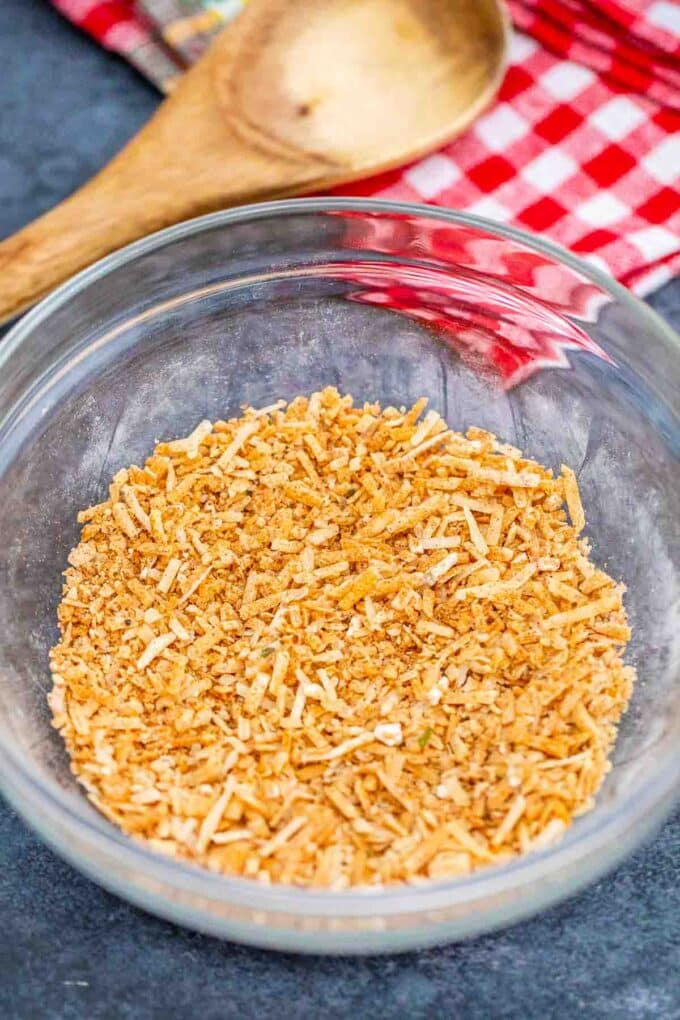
(583, 143)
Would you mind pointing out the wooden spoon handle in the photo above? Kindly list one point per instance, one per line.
(93, 222)
(188, 160)
(144, 189)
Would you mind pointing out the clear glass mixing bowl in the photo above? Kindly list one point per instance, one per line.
(387, 302)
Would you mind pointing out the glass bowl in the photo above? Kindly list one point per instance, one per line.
(388, 302)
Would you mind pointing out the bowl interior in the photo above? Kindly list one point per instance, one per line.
(388, 306)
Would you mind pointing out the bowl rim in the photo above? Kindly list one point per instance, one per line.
(261, 210)
(594, 833)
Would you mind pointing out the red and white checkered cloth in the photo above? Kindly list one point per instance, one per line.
(583, 143)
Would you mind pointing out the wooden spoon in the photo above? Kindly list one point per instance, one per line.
(293, 96)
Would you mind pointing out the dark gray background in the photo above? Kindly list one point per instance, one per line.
(69, 950)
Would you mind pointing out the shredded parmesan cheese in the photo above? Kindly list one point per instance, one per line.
(334, 646)
(573, 498)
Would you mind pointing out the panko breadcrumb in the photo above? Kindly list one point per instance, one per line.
(336, 646)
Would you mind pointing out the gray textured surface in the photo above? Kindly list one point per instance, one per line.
(70, 951)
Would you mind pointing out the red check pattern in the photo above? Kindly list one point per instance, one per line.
(583, 143)
(608, 40)
(118, 25)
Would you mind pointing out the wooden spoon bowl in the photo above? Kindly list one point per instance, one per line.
(291, 97)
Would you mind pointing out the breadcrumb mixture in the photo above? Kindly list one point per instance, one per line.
(338, 646)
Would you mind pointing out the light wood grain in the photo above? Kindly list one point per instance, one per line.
(290, 98)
